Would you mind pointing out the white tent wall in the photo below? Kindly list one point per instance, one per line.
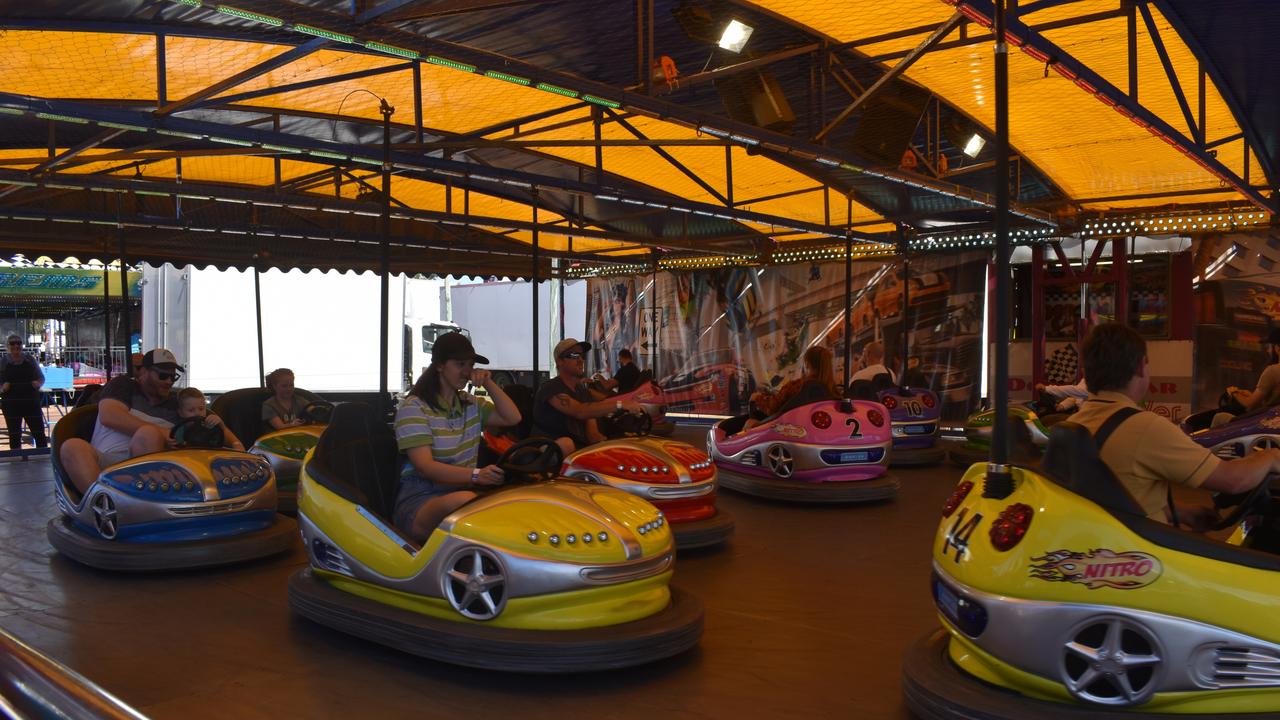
(323, 326)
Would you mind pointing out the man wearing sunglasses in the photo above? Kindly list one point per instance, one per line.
(134, 417)
(561, 409)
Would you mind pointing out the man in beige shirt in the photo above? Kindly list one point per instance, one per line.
(1146, 452)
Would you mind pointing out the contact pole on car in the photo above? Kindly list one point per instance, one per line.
(999, 482)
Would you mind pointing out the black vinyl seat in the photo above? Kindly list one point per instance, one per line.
(76, 424)
(1071, 460)
(862, 390)
(241, 410)
(357, 459)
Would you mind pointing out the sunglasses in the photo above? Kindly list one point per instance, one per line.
(166, 375)
(15, 343)
(571, 356)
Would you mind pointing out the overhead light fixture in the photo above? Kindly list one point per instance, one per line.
(735, 36)
(974, 146)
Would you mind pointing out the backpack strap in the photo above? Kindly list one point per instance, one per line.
(1104, 433)
(1111, 423)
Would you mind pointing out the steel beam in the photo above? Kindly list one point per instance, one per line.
(925, 45)
(673, 161)
(1130, 106)
(490, 180)
(93, 142)
(245, 75)
(303, 85)
(1153, 32)
(1251, 133)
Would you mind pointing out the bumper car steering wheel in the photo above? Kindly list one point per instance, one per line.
(196, 434)
(1243, 504)
(531, 460)
(318, 412)
(621, 423)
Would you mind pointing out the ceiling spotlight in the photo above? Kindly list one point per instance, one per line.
(974, 146)
(735, 36)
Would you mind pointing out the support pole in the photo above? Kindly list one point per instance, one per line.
(385, 259)
(124, 303)
(653, 312)
(257, 314)
(533, 286)
(999, 480)
(106, 308)
(848, 306)
(904, 340)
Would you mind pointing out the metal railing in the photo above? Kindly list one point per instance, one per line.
(94, 357)
(33, 685)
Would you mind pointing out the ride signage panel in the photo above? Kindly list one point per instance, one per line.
(64, 282)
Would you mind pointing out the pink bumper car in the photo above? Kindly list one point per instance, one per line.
(831, 451)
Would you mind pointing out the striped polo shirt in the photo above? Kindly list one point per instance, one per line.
(453, 434)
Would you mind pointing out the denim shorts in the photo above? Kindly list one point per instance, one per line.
(414, 492)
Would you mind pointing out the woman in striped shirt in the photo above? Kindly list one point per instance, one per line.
(438, 427)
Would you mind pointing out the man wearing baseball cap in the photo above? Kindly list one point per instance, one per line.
(561, 409)
(134, 417)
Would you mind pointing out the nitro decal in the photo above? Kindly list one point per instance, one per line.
(1101, 568)
(789, 430)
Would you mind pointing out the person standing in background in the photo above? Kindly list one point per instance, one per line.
(20, 383)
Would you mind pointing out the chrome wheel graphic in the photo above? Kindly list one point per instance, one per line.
(104, 516)
(475, 585)
(1111, 661)
(780, 461)
(1266, 442)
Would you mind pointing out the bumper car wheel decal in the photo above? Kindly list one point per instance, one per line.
(104, 516)
(475, 584)
(1267, 442)
(1112, 661)
(780, 461)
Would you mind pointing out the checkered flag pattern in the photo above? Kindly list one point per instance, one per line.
(1062, 367)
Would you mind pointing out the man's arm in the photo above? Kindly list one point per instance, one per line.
(1266, 388)
(115, 415)
(588, 411)
(1242, 474)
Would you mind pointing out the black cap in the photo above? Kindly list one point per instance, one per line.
(455, 346)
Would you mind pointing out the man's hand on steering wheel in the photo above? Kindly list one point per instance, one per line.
(1242, 504)
(489, 476)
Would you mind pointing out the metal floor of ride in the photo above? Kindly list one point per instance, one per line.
(808, 613)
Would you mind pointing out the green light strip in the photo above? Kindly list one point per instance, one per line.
(179, 133)
(192, 3)
(232, 141)
(152, 193)
(102, 222)
(450, 64)
(121, 126)
(367, 161)
(280, 148)
(12, 111)
(23, 183)
(509, 78)
(557, 90)
(63, 118)
(327, 154)
(267, 19)
(320, 32)
(392, 50)
(601, 101)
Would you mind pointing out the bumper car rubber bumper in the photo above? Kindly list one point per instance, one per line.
(703, 533)
(856, 491)
(917, 456)
(963, 456)
(280, 537)
(935, 689)
(664, 634)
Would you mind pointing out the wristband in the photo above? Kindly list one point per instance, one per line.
(475, 475)
(617, 404)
